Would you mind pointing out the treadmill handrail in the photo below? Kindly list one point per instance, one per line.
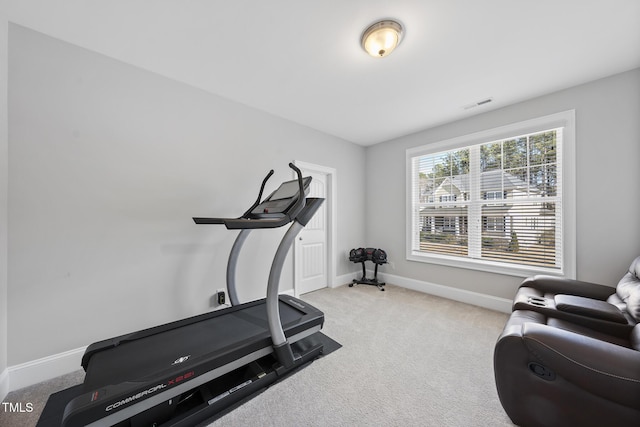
(300, 203)
(244, 222)
(259, 199)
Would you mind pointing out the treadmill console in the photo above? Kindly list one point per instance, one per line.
(281, 200)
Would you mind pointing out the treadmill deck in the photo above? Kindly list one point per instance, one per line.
(225, 333)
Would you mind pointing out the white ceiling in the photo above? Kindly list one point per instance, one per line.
(302, 60)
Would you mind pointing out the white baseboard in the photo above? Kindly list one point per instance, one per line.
(474, 298)
(344, 279)
(4, 384)
(35, 371)
(333, 283)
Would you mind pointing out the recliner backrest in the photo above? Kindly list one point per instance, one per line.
(633, 304)
(628, 289)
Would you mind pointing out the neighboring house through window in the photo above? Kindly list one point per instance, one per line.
(500, 200)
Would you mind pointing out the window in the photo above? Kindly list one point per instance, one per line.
(495, 195)
(501, 200)
(448, 198)
(493, 223)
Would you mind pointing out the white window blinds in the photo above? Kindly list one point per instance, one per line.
(498, 202)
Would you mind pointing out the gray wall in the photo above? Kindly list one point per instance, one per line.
(608, 175)
(108, 165)
(3, 187)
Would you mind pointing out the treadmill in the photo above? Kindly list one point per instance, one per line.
(185, 372)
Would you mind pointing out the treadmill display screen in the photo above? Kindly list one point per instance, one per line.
(288, 190)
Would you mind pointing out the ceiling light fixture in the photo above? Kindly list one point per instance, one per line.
(381, 38)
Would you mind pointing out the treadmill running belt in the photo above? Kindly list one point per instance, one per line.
(142, 357)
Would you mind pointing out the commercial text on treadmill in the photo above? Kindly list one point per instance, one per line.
(148, 392)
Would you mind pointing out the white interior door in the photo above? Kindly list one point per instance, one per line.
(311, 244)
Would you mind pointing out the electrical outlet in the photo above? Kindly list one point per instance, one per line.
(221, 297)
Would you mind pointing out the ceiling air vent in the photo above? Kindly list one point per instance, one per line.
(477, 104)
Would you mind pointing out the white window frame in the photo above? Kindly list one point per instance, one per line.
(565, 120)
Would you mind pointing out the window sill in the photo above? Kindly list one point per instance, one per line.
(483, 265)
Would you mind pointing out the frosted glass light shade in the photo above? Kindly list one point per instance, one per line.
(381, 38)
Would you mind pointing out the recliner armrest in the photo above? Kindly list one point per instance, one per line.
(589, 307)
(604, 369)
(560, 285)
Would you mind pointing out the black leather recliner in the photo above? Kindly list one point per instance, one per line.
(570, 353)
